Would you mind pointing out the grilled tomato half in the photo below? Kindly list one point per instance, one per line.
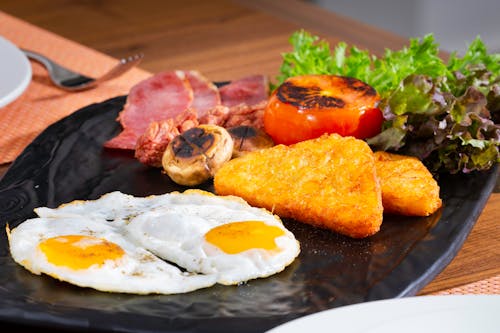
(305, 107)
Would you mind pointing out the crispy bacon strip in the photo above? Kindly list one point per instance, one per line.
(206, 95)
(250, 90)
(152, 144)
(162, 96)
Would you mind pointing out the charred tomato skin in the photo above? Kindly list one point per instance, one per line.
(306, 107)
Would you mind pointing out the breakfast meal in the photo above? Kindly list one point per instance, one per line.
(343, 140)
(121, 243)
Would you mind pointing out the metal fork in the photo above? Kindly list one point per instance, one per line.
(72, 81)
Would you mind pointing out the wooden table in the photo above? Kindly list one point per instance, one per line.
(229, 39)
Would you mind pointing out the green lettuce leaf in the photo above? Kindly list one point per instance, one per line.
(311, 55)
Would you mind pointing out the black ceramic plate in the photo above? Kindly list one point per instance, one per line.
(67, 162)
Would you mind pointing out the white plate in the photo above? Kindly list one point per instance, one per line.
(15, 72)
(422, 314)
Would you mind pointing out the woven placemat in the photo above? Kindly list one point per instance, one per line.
(42, 103)
(488, 286)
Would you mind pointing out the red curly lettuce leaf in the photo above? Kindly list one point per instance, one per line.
(493, 105)
(448, 133)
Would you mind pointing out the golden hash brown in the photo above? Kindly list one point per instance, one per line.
(329, 182)
(408, 188)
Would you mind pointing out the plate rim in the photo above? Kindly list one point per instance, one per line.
(402, 306)
(23, 80)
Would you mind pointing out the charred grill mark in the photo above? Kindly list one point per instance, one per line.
(194, 141)
(243, 131)
(181, 148)
(360, 86)
(307, 97)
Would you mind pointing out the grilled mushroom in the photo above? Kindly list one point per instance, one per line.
(194, 156)
(248, 138)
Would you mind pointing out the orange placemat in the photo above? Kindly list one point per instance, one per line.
(489, 286)
(43, 104)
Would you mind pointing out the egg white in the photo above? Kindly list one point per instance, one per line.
(114, 207)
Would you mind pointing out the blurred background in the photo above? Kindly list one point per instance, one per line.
(455, 23)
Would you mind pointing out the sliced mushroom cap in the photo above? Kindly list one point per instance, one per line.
(248, 138)
(194, 156)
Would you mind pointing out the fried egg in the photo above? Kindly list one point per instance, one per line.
(92, 253)
(216, 235)
(123, 243)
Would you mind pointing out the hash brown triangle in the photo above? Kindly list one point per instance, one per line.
(408, 187)
(329, 182)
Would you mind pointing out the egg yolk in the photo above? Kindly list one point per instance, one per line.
(79, 251)
(236, 237)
